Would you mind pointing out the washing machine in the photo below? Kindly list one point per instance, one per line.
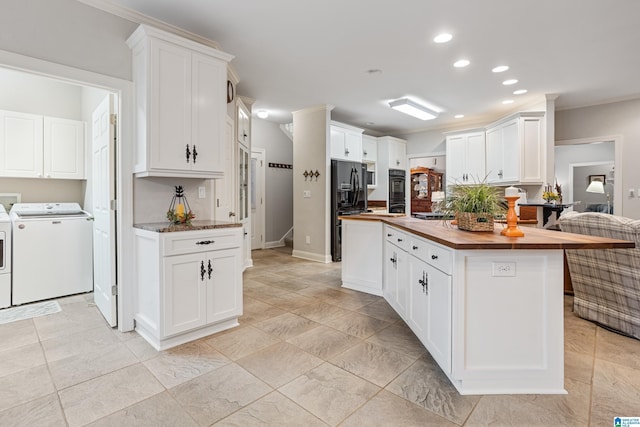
(52, 251)
(5, 258)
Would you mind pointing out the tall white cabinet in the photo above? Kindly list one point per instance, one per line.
(465, 157)
(180, 105)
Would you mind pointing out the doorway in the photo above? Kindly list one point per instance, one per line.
(123, 200)
(257, 198)
(426, 186)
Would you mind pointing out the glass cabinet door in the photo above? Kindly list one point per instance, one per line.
(243, 182)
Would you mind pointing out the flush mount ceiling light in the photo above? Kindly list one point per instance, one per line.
(458, 116)
(407, 106)
(500, 69)
(510, 82)
(461, 63)
(520, 92)
(263, 114)
(507, 101)
(442, 38)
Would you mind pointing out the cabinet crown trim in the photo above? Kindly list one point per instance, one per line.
(144, 31)
(346, 126)
(528, 114)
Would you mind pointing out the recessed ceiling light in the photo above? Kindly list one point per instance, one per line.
(263, 114)
(508, 101)
(461, 63)
(442, 38)
(458, 116)
(510, 82)
(519, 91)
(500, 69)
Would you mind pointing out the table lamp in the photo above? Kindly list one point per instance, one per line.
(598, 188)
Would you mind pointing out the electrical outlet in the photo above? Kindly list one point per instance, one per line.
(202, 192)
(306, 194)
(504, 269)
(631, 192)
(308, 240)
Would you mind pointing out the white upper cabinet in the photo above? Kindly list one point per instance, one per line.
(515, 150)
(180, 105)
(465, 157)
(346, 142)
(34, 146)
(244, 123)
(369, 149)
(395, 151)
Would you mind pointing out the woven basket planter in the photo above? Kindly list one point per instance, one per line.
(470, 221)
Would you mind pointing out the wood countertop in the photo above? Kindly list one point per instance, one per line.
(534, 238)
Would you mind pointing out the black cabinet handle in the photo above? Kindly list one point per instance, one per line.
(205, 242)
(209, 269)
(434, 257)
(389, 234)
(188, 153)
(195, 153)
(399, 240)
(415, 247)
(202, 271)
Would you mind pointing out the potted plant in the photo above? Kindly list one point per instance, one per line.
(475, 205)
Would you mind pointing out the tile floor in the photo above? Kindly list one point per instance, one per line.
(307, 353)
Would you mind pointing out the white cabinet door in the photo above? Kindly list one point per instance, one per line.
(169, 133)
(63, 148)
(224, 289)
(417, 316)
(397, 155)
(21, 150)
(503, 153)
(437, 338)
(184, 293)
(345, 144)
(244, 124)
(465, 158)
(369, 149)
(225, 188)
(390, 283)
(532, 150)
(207, 122)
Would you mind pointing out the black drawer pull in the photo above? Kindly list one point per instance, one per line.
(205, 242)
(415, 247)
(434, 256)
(389, 234)
(399, 240)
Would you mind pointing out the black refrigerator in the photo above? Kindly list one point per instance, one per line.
(348, 197)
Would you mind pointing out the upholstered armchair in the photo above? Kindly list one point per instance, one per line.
(606, 282)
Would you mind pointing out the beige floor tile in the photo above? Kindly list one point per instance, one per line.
(617, 348)
(96, 398)
(579, 335)
(69, 345)
(321, 312)
(373, 363)
(159, 410)
(290, 301)
(286, 326)
(324, 342)
(572, 407)
(272, 410)
(616, 392)
(352, 301)
(278, 364)
(43, 411)
(141, 348)
(294, 283)
(25, 385)
(578, 366)
(73, 318)
(20, 358)
(241, 342)
(398, 337)
(329, 393)
(380, 310)
(18, 334)
(256, 311)
(211, 397)
(358, 325)
(185, 362)
(90, 364)
(387, 409)
(425, 384)
(509, 410)
(264, 292)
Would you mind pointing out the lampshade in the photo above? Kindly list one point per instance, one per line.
(407, 106)
(437, 196)
(596, 187)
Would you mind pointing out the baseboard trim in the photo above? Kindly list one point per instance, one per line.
(276, 244)
(325, 259)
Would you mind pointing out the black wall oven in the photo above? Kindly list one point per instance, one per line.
(396, 191)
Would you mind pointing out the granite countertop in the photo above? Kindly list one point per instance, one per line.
(167, 227)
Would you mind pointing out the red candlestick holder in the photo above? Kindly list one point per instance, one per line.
(512, 229)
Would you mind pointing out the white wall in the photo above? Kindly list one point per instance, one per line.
(619, 118)
(67, 32)
(278, 182)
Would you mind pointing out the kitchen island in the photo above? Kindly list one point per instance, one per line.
(488, 308)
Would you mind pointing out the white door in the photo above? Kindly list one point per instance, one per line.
(103, 176)
(257, 198)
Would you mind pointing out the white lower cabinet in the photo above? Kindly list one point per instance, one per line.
(396, 286)
(361, 269)
(189, 284)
